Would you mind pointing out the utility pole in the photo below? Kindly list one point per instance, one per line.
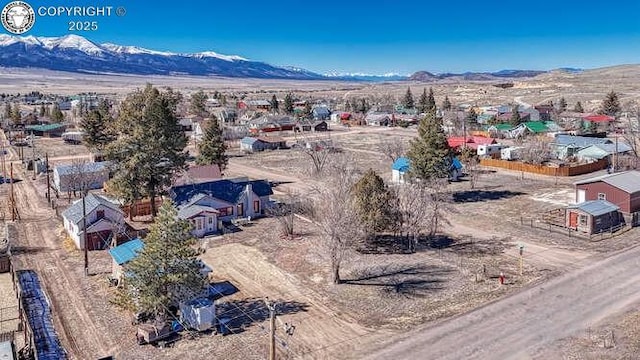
(14, 208)
(521, 248)
(46, 166)
(33, 163)
(615, 156)
(272, 329)
(84, 234)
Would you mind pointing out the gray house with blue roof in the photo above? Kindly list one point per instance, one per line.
(207, 205)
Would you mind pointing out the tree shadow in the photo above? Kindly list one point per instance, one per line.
(415, 280)
(467, 245)
(384, 244)
(278, 183)
(19, 250)
(245, 313)
(483, 195)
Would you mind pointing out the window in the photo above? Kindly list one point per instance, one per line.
(100, 214)
(582, 220)
(210, 219)
(230, 210)
(240, 209)
(602, 196)
(256, 206)
(199, 224)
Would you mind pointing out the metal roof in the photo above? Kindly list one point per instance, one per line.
(596, 207)
(74, 212)
(45, 127)
(401, 164)
(627, 181)
(582, 141)
(228, 190)
(126, 252)
(190, 210)
(89, 167)
(248, 140)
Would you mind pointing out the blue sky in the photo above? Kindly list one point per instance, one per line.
(377, 36)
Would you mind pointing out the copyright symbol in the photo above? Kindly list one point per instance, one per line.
(121, 11)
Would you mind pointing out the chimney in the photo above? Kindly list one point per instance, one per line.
(248, 188)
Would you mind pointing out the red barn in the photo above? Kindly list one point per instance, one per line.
(621, 189)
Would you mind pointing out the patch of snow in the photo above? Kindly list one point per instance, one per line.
(212, 54)
(124, 49)
(71, 42)
(560, 197)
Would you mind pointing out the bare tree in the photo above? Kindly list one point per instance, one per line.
(318, 149)
(335, 213)
(469, 158)
(81, 178)
(632, 131)
(420, 208)
(536, 151)
(285, 213)
(392, 147)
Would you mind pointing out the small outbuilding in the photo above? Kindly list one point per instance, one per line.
(399, 169)
(593, 217)
(254, 144)
(122, 254)
(198, 314)
(82, 176)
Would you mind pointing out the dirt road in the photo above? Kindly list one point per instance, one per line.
(518, 327)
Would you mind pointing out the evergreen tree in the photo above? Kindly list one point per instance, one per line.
(423, 102)
(8, 111)
(97, 127)
(56, 114)
(288, 104)
(166, 270)
(16, 115)
(515, 119)
(306, 113)
(149, 151)
(431, 103)
(42, 111)
(199, 103)
(429, 153)
(274, 103)
(562, 105)
(212, 147)
(578, 107)
(407, 102)
(611, 104)
(372, 202)
(347, 105)
(471, 117)
(47, 111)
(363, 106)
(446, 104)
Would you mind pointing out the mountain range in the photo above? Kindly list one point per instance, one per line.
(77, 54)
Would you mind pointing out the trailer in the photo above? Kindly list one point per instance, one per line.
(490, 149)
(156, 334)
(510, 153)
(73, 137)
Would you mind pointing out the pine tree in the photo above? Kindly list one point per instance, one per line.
(149, 151)
(199, 104)
(429, 153)
(274, 103)
(515, 119)
(562, 105)
(165, 269)
(407, 102)
(347, 105)
(431, 103)
(578, 107)
(423, 102)
(212, 147)
(306, 113)
(372, 202)
(611, 104)
(446, 104)
(98, 128)
(16, 115)
(56, 114)
(8, 111)
(42, 111)
(288, 104)
(471, 117)
(363, 106)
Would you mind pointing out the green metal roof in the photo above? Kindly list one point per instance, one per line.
(536, 126)
(44, 128)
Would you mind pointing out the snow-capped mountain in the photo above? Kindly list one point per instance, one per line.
(78, 54)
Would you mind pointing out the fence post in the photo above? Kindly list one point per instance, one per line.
(531, 222)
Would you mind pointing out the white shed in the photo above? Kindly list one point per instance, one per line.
(198, 314)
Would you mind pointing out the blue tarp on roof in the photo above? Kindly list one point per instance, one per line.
(401, 164)
(38, 313)
(126, 252)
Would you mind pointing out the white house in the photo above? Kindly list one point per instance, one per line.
(209, 204)
(76, 177)
(104, 220)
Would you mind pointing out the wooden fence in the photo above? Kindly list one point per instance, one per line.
(546, 170)
(141, 207)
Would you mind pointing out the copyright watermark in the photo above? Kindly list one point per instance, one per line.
(18, 17)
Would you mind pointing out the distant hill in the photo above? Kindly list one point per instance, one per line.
(475, 76)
